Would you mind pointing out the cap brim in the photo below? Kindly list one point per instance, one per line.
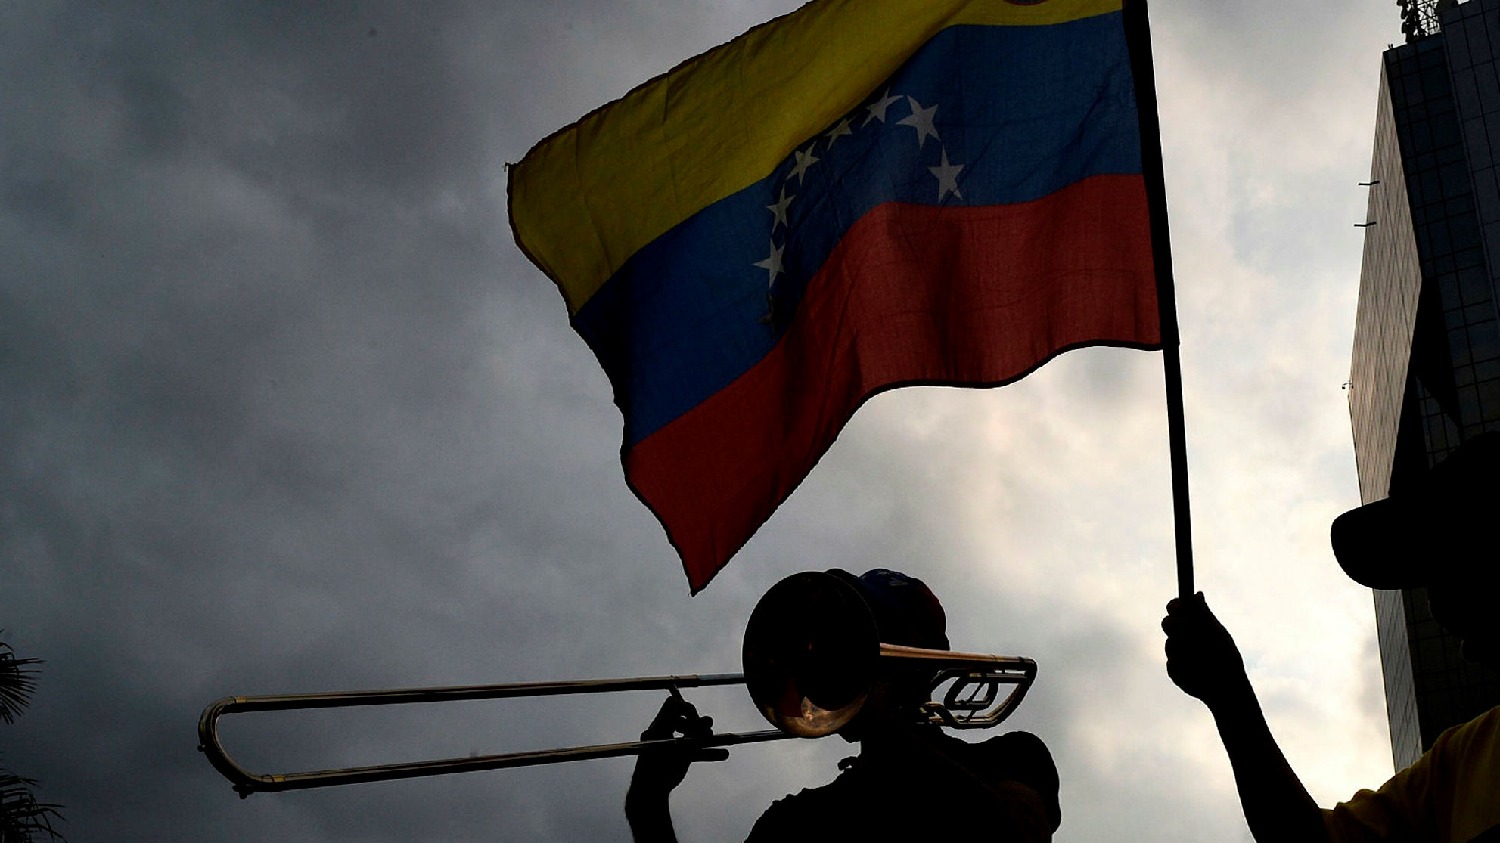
(1418, 536)
(1378, 544)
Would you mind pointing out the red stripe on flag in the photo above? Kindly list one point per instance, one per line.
(912, 294)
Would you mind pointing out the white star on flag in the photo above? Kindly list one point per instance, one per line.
(877, 109)
(772, 264)
(947, 176)
(839, 131)
(779, 209)
(921, 120)
(804, 160)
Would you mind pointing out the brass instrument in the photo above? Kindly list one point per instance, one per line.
(811, 657)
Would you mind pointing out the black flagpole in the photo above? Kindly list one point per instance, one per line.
(1138, 37)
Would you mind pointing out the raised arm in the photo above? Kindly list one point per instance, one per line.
(657, 774)
(1203, 661)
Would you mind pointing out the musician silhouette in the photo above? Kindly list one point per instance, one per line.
(909, 781)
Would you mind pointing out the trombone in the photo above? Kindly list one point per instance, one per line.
(811, 657)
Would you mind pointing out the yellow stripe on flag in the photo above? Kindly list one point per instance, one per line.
(588, 197)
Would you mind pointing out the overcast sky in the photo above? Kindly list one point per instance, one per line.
(283, 408)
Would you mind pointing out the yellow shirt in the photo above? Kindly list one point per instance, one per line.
(1450, 795)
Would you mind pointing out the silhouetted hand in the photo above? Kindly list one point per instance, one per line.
(659, 771)
(1202, 658)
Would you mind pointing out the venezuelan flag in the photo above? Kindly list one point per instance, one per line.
(860, 195)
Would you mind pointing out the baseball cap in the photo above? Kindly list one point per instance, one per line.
(906, 611)
(1423, 534)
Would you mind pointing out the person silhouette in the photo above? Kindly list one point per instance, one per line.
(1435, 534)
(909, 780)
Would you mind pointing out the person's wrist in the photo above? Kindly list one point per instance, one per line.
(643, 796)
(647, 812)
(1232, 698)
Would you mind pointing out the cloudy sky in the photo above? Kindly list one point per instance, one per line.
(283, 408)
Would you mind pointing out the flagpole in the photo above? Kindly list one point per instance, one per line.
(1177, 443)
(1138, 36)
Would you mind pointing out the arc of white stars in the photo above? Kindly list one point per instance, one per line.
(947, 176)
(804, 160)
(921, 120)
(773, 264)
(878, 108)
(779, 209)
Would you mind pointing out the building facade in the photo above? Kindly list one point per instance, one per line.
(1425, 373)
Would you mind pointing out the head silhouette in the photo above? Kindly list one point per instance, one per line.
(1435, 532)
(906, 612)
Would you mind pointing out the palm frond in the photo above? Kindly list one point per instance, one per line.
(22, 818)
(17, 683)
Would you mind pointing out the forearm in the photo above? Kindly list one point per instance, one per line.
(650, 816)
(1277, 806)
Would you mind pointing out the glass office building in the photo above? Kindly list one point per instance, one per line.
(1425, 373)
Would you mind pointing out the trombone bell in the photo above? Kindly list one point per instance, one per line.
(810, 654)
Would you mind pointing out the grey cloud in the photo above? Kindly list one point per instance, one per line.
(281, 408)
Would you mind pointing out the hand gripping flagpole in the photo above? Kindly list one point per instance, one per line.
(1138, 37)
